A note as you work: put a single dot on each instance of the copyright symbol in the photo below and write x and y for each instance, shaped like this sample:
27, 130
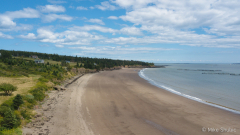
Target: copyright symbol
204, 129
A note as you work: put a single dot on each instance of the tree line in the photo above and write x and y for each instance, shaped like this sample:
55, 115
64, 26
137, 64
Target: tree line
89, 63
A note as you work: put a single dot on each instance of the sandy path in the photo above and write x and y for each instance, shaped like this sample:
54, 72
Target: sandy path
121, 103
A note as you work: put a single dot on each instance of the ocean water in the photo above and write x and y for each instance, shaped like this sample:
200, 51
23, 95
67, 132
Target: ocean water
213, 84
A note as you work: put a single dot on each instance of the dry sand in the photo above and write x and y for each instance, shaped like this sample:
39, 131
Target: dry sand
119, 102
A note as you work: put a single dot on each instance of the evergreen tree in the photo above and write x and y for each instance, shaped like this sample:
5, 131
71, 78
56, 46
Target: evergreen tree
17, 101
9, 120
6, 55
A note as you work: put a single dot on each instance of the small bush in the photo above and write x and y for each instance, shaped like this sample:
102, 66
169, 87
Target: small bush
8, 103
42, 86
15, 131
30, 99
39, 91
9, 119
25, 114
24, 74
26, 97
38, 94
41, 79
18, 119
17, 101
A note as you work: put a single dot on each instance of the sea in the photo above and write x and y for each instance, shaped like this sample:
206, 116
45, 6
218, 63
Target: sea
217, 85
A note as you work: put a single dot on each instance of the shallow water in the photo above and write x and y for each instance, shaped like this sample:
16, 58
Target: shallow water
215, 83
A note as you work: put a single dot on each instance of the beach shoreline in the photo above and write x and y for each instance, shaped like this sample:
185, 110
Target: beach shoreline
121, 102
213, 104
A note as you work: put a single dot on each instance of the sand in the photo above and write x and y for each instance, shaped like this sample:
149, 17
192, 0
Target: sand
119, 102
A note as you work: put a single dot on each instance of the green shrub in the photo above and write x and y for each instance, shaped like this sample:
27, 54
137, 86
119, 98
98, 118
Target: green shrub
8, 103
18, 119
25, 114
30, 105
30, 99
38, 94
17, 101
41, 79
7, 88
3, 109
9, 119
42, 86
14, 131
26, 97
39, 91
24, 74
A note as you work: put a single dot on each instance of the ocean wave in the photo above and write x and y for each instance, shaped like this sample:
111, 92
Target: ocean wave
142, 75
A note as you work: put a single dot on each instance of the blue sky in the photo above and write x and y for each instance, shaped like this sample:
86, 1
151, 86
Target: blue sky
161, 31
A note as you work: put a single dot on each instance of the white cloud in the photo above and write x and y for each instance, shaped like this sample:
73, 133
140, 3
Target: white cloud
25, 13
163, 22
126, 30
5, 36
96, 21
51, 8
81, 8
113, 50
131, 31
20, 27
172, 21
28, 36
53, 17
7, 20
113, 17
94, 27
68, 37
106, 6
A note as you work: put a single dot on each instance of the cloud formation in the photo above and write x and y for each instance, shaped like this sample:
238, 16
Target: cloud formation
106, 6
53, 17
5, 36
6, 19
81, 8
113, 17
68, 37
96, 21
51, 8
116, 50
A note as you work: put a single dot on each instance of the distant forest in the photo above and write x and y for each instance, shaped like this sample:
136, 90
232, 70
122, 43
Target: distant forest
89, 63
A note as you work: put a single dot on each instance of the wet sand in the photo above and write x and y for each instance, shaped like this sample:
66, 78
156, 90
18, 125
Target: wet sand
119, 102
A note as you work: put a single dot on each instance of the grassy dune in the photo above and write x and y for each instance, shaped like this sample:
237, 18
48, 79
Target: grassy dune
23, 84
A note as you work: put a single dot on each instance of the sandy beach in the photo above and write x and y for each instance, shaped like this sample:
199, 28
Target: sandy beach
120, 102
